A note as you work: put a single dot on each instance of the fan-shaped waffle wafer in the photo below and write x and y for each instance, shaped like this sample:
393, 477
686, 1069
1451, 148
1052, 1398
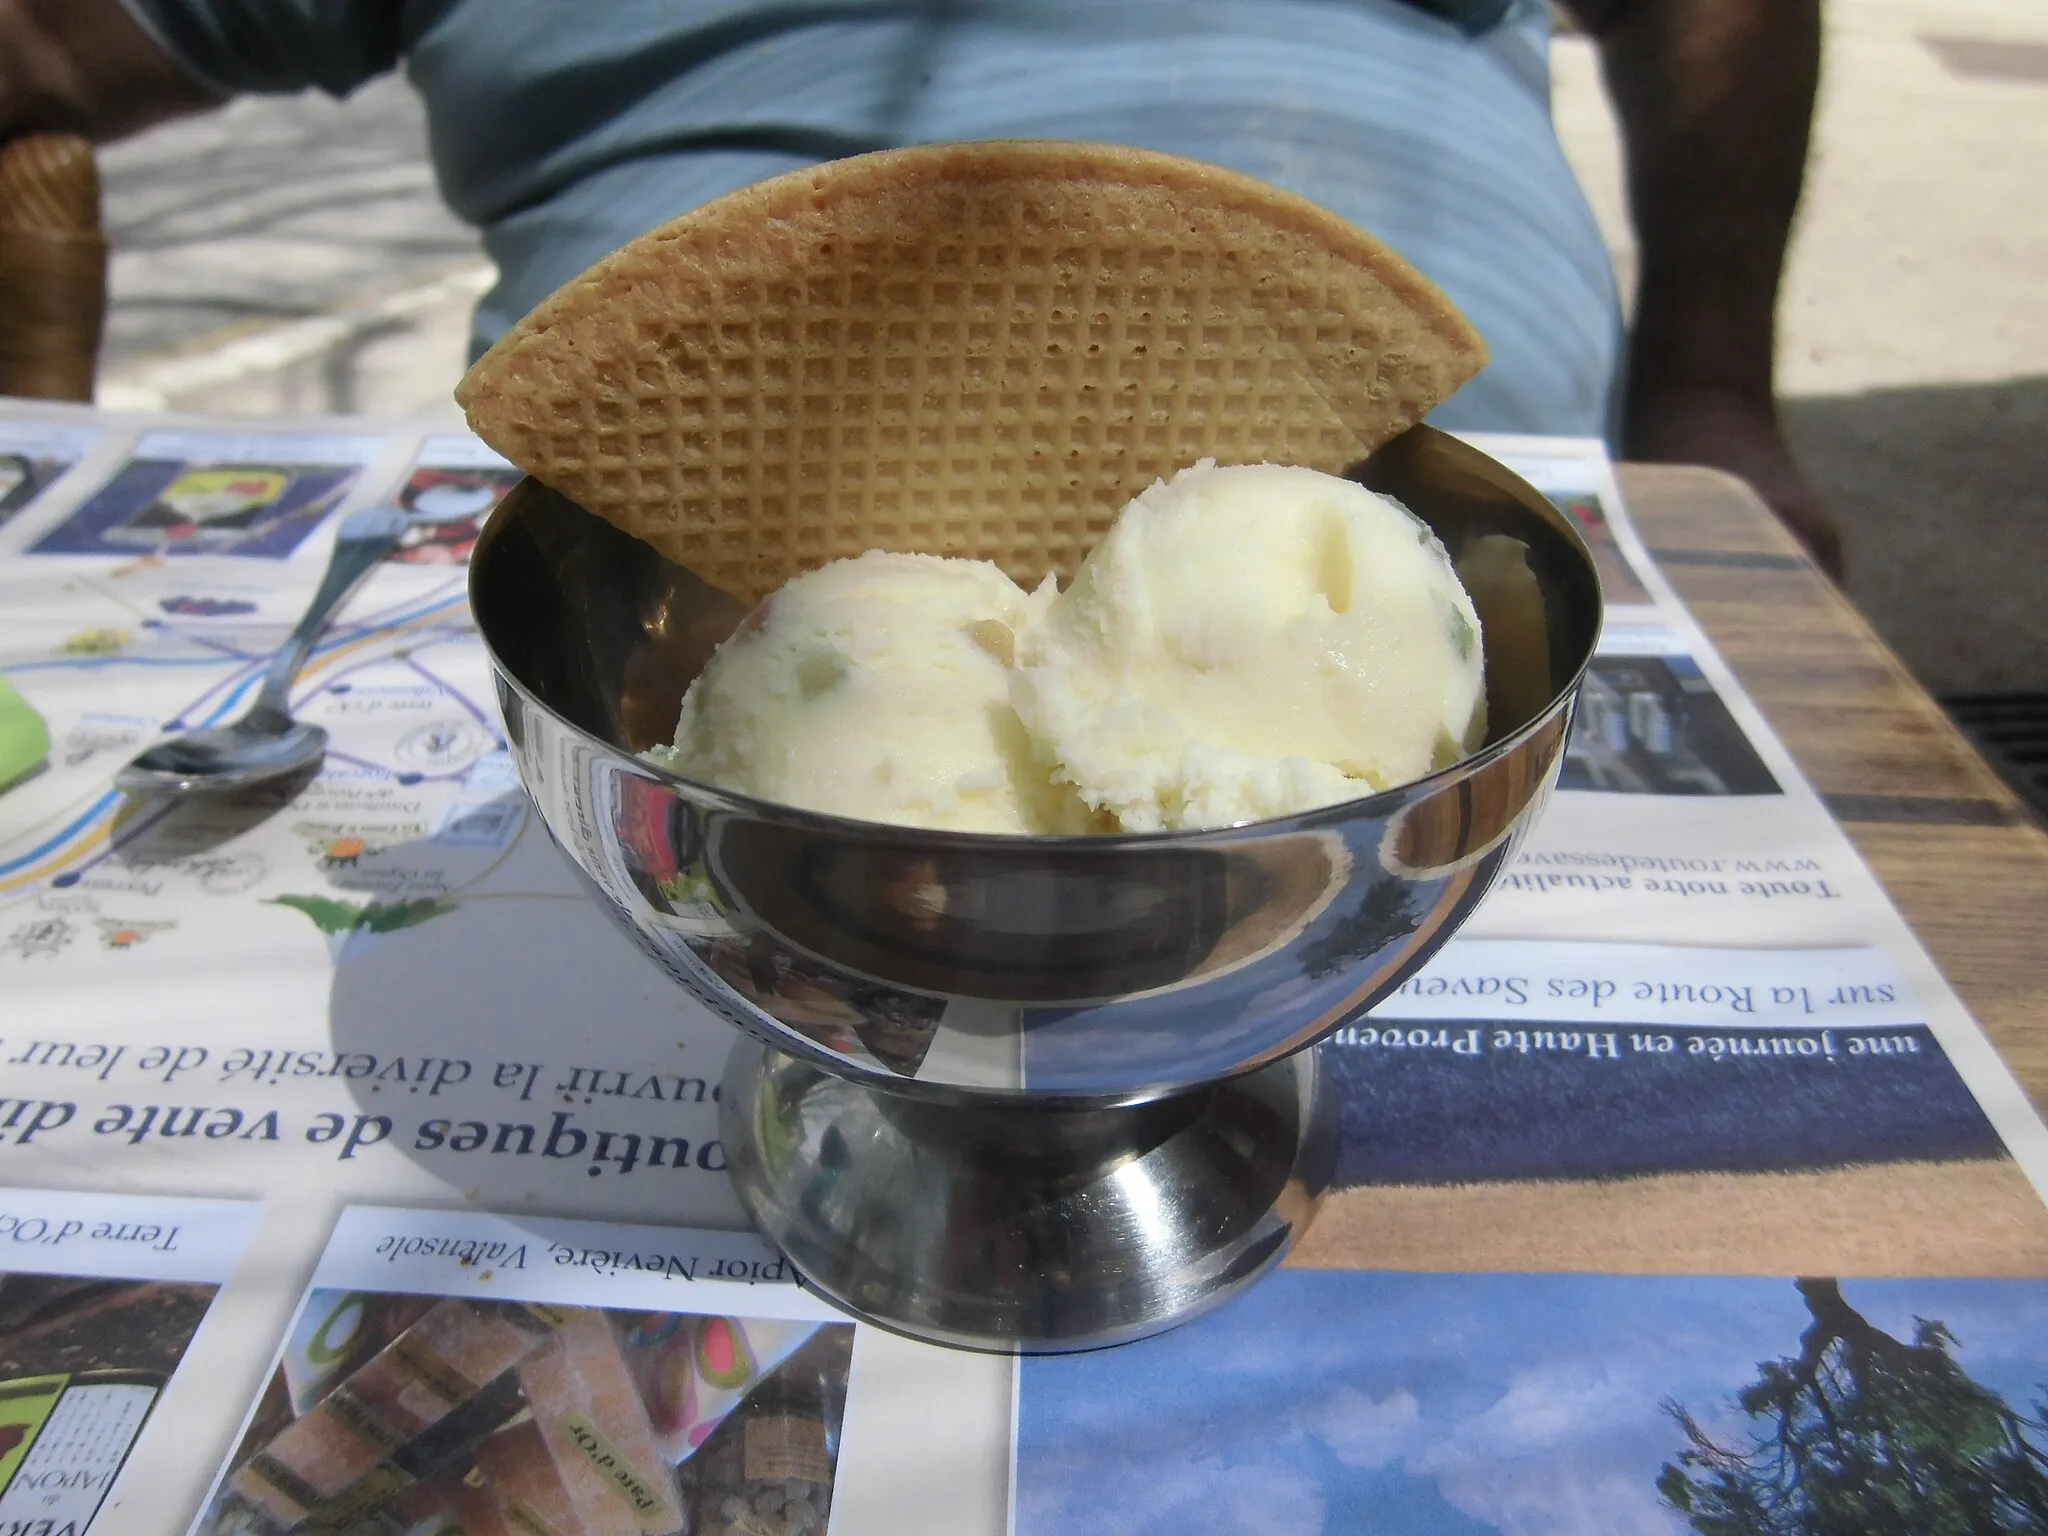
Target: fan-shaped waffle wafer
978, 349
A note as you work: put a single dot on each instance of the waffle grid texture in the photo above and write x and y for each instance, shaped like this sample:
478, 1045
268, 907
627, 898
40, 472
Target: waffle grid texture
980, 349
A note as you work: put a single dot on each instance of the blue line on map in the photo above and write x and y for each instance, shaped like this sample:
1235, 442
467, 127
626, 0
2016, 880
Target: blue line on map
122, 838
242, 684
230, 698
336, 638
238, 676
398, 615
370, 623
59, 839
223, 648
348, 671
114, 661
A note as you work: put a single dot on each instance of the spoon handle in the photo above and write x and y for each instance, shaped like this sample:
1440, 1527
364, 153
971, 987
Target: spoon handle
363, 539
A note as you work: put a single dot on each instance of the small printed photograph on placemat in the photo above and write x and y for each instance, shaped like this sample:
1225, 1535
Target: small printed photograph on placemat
1620, 586
83, 1360
451, 489
447, 1385
183, 493
34, 455
508, 1417
1653, 725
1515, 1404
100, 1300
1522, 1105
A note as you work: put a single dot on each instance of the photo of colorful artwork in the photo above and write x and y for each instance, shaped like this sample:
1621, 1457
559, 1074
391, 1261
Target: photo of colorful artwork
185, 493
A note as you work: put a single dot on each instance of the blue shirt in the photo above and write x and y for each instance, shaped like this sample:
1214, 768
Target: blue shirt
564, 130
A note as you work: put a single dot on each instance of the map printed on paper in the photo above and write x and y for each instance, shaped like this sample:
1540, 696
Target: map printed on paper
417, 761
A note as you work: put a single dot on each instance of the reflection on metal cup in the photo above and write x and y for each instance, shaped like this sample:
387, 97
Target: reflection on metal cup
1130, 1009
1128, 965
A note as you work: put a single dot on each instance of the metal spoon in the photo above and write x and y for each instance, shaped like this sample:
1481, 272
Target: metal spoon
267, 743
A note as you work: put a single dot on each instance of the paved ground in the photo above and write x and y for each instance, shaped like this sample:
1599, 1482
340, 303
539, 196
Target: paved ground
287, 254
290, 255
1913, 351
272, 208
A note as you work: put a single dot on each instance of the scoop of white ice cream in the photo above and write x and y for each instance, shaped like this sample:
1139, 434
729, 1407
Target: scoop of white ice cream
1249, 642
876, 688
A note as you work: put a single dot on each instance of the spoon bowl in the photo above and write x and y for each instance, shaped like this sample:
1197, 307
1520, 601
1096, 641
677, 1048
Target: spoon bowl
266, 742
225, 757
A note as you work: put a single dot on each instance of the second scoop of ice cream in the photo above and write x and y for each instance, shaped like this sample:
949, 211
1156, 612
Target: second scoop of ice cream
1249, 642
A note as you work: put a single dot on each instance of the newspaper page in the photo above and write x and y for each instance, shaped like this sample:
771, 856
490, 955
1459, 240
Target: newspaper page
1684, 1052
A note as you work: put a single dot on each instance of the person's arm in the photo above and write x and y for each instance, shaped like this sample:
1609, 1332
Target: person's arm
85, 67
1715, 99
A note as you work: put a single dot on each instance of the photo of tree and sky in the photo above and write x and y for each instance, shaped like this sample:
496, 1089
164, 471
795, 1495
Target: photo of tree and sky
1533, 1405
1864, 1432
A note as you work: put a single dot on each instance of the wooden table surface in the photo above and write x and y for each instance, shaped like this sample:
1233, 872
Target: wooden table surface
1960, 854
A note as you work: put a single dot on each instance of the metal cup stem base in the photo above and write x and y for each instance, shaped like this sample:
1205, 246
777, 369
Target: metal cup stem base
1026, 1228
